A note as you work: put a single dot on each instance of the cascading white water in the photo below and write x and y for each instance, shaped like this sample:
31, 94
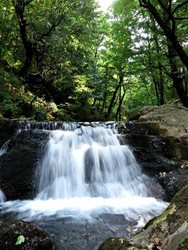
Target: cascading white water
2, 196
84, 178
86, 172
4, 147
89, 162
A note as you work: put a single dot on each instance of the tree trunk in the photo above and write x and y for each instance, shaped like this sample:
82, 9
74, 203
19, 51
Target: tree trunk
168, 31
177, 76
114, 95
157, 78
118, 113
29, 50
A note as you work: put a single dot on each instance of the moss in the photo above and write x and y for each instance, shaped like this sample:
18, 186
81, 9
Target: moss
175, 214
162, 217
183, 245
120, 244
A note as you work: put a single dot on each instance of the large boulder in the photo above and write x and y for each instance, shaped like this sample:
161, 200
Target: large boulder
169, 231
18, 165
19, 235
172, 119
7, 129
159, 140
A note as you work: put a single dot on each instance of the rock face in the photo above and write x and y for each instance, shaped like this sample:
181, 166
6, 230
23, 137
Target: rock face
159, 140
32, 237
169, 231
7, 130
172, 118
18, 165
119, 243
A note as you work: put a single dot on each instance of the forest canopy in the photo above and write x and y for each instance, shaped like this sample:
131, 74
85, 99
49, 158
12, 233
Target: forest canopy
67, 60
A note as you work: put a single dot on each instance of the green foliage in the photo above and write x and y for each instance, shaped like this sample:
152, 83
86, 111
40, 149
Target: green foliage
20, 240
84, 65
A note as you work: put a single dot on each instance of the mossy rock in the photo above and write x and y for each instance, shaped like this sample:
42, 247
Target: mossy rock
167, 231
120, 244
183, 245
170, 229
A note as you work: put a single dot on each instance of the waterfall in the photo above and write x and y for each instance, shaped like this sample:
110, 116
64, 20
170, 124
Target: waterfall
4, 147
89, 187
88, 162
85, 172
2, 196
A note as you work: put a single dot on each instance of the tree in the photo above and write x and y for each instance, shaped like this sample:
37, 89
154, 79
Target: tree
168, 15
48, 46
165, 13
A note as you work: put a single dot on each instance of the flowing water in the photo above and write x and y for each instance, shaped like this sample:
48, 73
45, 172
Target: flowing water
85, 174
2, 197
4, 147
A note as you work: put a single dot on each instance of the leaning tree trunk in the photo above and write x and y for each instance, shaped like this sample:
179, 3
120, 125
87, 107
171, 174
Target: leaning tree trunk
177, 75
168, 31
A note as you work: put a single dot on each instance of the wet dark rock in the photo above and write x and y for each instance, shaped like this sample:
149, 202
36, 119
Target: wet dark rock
7, 129
174, 181
156, 155
156, 149
33, 237
18, 165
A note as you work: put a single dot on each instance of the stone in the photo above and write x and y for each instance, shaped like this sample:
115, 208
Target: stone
18, 165
172, 118
159, 141
7, 130
119, 243
171, 227
33, 238
167, 231
173, 181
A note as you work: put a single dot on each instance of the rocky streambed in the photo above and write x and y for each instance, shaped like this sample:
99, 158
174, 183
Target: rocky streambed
159, 139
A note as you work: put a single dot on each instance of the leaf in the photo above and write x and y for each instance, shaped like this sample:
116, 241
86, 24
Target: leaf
20, 240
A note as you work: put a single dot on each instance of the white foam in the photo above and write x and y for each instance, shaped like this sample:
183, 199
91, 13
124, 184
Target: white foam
2, 196
85, 173
86, 207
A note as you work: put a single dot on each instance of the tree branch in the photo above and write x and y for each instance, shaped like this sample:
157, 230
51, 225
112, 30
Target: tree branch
181, 18
27, 2
179, 6
164, 7
169, 32
52, 27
